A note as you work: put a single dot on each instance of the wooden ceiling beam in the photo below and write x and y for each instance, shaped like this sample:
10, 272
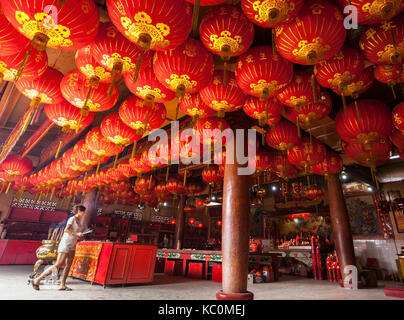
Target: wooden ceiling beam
8, 102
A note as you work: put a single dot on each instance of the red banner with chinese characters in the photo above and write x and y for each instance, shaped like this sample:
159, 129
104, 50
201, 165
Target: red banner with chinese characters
85, 261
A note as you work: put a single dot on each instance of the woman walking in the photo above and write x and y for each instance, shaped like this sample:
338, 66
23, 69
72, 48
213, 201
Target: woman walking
66, 249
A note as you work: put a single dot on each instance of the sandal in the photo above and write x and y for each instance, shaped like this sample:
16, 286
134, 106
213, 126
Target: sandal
65, 289
35, 286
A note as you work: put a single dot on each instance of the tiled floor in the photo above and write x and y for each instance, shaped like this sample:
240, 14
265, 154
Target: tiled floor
13, 286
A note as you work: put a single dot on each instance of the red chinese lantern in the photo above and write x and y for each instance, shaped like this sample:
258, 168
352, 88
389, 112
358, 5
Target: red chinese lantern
211, 130
71, 161
126, 169
267, 112
115, 174
211, 175
261, 73
332, 164
305, 115
90, 68
398, 116
50, 23
376, 11
160, 190
192, 188
67, 116
141, 117
116, 53
313, 192
152, 24
175, 186
301, 91
186, 69
315, 35
223, 97
340, 70
225, 31
192, 105
85, 155
191, 220
88, 96
172, 221
116, 131
199, 202
376, 155
100, 145
190, 209
62, 171
365, 122
15, 165
272, 13
397, 138
306, 153
45, 89
138, 165
357, 86
144, 185
35, 65
391, 75
262, 160
200, 225
282, 136
219, 223
147, 87
12, 42
384, 43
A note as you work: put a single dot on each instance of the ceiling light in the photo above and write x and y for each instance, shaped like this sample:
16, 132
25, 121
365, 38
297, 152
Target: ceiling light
274, 188
394, 157
370, 189
344, 176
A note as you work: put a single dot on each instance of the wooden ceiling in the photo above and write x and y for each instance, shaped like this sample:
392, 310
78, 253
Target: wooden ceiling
13, 104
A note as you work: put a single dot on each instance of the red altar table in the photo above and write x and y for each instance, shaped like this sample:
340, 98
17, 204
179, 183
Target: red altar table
113, 263
182, 258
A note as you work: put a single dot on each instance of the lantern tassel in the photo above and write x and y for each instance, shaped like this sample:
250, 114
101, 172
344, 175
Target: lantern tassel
58, 150
308, 181
357, 110
150, 181
52, 193
167, 172
8, 187
85, 178
225, 74
87, 98
23, 64
394, 93
314, 89
298, 128
344, 104
116, 160
137, 69
185, 177
274, 50
195, 18
116, 73
2, 187
133, 150
98, 167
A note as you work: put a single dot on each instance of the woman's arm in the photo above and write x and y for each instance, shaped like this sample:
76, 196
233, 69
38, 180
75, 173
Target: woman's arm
69, 231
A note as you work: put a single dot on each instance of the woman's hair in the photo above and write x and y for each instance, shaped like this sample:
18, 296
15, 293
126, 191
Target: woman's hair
78, 208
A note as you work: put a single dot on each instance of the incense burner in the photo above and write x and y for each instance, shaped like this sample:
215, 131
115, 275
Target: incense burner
46, 252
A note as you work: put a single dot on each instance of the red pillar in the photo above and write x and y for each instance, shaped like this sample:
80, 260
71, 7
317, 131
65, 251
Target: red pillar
180, 224
341, 228
91, 208
235, 233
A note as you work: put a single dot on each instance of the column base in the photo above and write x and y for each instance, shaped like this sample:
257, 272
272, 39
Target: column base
235, 296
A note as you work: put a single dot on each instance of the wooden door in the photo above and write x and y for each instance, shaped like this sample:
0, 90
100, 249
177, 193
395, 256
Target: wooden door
119, 262
141, 267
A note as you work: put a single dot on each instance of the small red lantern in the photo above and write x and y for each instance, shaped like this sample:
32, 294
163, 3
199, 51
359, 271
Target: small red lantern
200, 225
211, 130
12, 42
147, 86
211, 175
85, 155
67, 116
374, 11
223, 97
299, 92
15, 165
271, 14
398, 116
138, 164
144, 184
113, 128
172, 221
262, 160
359, 85
313, 192
87, 95
175, 186
366, 121
306, 153
267, 112
315, 35
141, 117
199, 202
261, 73
390, 74
383, 43
331, 164
282, 136
219, 223
192, 105
152, 24
378, 154
225, 31
397, 138
186, 69
126, 169
191, 220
